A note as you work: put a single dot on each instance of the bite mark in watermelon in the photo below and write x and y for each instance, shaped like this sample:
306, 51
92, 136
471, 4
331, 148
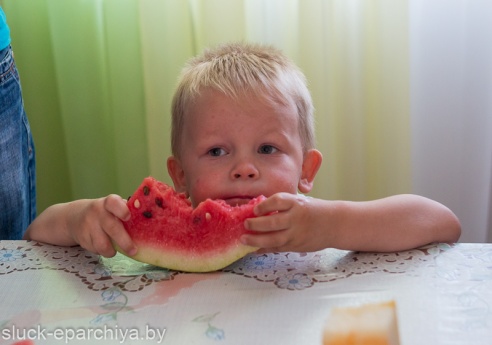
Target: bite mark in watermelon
169, 233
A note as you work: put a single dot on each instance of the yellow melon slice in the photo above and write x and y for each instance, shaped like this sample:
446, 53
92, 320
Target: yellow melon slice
369, 324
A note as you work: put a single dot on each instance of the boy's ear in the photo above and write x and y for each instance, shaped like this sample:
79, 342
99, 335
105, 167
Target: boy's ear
176, 172
310, 166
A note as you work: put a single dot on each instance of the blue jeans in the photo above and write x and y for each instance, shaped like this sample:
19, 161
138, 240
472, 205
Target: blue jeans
17, 158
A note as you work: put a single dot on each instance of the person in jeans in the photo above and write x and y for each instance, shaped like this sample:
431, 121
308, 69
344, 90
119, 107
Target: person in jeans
17, 157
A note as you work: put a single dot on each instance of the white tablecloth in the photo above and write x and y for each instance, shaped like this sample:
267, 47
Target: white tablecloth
443, 295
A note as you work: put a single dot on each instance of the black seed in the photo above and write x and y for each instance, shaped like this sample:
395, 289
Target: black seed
147, 214
128, 199
197, 220
159, 202
146, 190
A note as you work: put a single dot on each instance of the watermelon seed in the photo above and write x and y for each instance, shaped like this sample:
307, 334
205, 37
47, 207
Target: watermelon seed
147, 214
208, 216
159, 202
146, 190
136, 203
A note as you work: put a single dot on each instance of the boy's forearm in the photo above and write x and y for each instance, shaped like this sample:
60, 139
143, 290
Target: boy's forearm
395, 223
51, 226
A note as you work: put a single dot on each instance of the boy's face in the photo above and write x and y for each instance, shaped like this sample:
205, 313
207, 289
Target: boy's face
237, 150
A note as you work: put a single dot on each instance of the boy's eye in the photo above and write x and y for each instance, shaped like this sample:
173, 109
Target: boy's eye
267, 149
216, 152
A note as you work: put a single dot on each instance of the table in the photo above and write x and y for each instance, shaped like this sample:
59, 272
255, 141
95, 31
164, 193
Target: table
58, 295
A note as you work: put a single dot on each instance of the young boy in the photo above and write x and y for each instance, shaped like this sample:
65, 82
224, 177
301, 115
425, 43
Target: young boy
242, 127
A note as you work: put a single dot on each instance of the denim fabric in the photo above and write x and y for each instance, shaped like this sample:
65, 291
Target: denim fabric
17, 158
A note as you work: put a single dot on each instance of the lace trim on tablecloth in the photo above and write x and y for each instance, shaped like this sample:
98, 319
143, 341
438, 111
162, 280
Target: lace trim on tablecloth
92, 270
297, 271
291, 271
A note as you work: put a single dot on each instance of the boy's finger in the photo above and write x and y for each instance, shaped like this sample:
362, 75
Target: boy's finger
120, 237
112, 226
274, 222
127, 246
274, 240
268, 205
101, 245
117, 206
276, 203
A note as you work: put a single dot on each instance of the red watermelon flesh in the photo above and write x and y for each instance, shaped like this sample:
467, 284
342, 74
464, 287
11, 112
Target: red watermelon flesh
169, 233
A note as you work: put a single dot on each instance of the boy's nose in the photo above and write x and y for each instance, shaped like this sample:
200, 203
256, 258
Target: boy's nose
238, 175
244, 170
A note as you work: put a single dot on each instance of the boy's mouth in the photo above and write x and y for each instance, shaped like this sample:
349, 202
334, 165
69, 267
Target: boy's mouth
238, 200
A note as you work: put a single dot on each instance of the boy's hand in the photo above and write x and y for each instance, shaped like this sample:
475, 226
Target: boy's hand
285, 222
94, 224
288, 222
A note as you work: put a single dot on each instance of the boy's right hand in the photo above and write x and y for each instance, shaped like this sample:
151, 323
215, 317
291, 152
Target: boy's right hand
94, 224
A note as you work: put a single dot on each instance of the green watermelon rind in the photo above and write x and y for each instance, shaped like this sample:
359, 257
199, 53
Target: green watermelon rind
173, 260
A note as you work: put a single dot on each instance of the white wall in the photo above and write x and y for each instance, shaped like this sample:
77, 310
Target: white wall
451, 107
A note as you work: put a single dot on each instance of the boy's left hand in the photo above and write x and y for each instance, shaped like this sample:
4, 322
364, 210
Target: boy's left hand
285, 222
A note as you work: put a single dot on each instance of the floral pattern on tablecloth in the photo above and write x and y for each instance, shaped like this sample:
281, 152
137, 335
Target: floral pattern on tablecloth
290, 271
94, 271
297, 271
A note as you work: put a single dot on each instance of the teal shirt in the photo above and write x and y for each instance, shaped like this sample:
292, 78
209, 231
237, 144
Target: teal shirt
4, 31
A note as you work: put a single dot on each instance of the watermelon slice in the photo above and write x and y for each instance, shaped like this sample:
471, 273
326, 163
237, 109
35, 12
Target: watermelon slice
169, 233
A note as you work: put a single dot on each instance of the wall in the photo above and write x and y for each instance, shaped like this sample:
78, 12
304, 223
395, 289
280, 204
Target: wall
451, 108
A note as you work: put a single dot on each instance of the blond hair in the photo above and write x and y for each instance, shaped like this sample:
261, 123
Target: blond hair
237, 69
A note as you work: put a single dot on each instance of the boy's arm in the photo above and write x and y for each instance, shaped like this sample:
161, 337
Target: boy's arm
395, 223
90, 223
391, 224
